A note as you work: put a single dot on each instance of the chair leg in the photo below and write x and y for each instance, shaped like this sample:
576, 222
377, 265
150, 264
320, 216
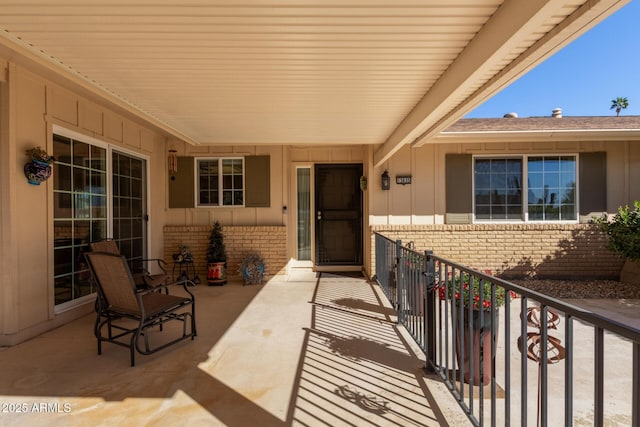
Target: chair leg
193, 320
98, 332
132, 350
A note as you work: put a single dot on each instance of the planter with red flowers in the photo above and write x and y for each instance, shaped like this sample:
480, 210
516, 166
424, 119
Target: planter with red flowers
472, 296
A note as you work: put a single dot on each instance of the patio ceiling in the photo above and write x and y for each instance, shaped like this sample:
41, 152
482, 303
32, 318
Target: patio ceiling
294, 71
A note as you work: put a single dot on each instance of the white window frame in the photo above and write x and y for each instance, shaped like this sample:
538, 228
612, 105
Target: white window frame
220, 182
66, 133
110, 148
525, 188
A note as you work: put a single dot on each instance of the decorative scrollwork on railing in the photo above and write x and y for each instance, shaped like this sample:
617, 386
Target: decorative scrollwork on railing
536, 348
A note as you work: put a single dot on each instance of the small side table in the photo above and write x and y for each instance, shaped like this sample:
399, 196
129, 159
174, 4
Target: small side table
185, 267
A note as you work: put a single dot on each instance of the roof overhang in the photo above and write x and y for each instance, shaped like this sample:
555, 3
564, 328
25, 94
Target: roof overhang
427, 122
291, 72
538, 136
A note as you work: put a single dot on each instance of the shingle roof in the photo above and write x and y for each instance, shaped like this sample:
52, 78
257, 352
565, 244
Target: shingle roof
577, 123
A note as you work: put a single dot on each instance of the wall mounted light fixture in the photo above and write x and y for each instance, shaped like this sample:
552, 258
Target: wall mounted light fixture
386, 180
172, 161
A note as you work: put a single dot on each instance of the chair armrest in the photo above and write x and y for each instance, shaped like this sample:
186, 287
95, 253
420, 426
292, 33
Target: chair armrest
137, 266
162, 264
184, 283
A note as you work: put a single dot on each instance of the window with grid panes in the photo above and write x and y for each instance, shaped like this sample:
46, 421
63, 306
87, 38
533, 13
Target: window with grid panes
79, 213
547, 194
220, 181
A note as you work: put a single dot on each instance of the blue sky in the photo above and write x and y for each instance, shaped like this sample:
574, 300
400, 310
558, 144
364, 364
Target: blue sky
582, 78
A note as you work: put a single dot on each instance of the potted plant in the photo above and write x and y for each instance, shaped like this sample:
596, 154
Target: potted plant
38, 155
216, 257
39, 168
624, 239
465, 289
461, 287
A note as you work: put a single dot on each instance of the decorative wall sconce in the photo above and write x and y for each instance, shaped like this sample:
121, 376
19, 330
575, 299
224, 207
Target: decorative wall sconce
39, 168
172, 161
386, 180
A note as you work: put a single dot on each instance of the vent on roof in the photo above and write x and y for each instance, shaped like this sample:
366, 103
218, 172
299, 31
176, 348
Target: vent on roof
511, 115
557, 113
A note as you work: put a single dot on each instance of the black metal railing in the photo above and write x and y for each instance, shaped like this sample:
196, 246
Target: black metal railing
456, 314
386, 258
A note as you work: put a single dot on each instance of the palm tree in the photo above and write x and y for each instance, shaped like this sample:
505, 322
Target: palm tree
619, 104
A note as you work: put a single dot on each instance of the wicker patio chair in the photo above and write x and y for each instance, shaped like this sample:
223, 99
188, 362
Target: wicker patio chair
129, 313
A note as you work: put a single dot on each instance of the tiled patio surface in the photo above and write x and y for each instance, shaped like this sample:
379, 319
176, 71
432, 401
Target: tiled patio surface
307, 351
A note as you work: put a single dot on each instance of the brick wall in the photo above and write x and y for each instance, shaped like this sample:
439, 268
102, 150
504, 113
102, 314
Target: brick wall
269, 242
516, 250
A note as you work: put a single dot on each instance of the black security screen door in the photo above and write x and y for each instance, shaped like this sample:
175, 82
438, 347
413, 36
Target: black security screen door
338, 214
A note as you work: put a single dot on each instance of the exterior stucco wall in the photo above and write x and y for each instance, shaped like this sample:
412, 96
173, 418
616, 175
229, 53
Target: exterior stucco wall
423, 201
31, 106
569, 251
284, 160
551, 250
271, 215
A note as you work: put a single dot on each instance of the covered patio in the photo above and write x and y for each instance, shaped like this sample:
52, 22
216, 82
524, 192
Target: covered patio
121, 93
310, 349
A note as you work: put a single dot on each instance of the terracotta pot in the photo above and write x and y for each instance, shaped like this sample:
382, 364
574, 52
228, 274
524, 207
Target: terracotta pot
480, 334
630, 272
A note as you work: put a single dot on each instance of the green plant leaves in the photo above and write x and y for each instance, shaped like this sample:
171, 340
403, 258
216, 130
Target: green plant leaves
624, 231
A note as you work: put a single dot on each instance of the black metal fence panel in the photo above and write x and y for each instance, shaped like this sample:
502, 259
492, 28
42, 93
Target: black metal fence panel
493, 342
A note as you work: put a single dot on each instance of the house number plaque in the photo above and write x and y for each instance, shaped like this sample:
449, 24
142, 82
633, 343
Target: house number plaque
403, 179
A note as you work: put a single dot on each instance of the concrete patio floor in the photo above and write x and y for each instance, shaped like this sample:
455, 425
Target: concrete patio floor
307, 350
310, 350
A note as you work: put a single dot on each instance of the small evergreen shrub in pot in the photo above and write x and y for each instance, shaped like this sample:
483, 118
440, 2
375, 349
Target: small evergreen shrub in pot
216, 257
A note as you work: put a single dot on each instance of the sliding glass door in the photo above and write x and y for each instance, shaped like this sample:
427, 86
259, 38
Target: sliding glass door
98, 193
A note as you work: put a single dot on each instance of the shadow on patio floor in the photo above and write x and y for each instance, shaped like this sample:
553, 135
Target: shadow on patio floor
314, 352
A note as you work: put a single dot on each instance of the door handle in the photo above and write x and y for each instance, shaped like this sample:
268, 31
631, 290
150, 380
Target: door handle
319, 215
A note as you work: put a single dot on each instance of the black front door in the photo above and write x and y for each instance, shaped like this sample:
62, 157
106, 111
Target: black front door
338, 214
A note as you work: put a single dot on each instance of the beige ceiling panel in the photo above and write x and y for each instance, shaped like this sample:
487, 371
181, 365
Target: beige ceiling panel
291, 72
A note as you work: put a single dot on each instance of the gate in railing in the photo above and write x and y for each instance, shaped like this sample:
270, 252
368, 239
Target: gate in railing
493, 351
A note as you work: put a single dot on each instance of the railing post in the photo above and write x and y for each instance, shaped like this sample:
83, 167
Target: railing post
635, 394
598, 377
399, 284
430, 311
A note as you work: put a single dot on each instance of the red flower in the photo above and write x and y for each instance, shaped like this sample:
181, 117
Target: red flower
466, 287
